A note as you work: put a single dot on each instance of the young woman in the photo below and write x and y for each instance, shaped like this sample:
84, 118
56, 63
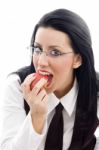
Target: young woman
62, 52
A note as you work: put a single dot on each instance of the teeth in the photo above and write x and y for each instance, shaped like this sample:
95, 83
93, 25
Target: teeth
44, 73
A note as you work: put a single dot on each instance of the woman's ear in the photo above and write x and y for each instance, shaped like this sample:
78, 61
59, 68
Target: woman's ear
77, 61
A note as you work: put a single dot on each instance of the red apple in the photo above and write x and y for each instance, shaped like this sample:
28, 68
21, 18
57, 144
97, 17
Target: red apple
38, 77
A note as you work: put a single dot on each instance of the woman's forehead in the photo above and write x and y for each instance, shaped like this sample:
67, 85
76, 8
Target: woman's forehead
51, 36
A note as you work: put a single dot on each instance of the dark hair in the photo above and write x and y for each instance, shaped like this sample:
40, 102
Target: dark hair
73, 25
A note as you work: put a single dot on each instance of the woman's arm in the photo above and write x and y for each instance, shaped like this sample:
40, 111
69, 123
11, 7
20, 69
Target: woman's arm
17, 132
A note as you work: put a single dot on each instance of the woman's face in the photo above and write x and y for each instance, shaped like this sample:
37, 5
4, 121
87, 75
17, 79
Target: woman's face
61, 68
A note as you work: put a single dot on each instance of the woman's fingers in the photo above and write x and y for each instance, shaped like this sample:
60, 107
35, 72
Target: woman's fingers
41, 95
37, 88
39, 105
37, 97
26, 84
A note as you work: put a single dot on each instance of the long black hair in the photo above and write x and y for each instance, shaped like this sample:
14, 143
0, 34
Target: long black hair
72, 24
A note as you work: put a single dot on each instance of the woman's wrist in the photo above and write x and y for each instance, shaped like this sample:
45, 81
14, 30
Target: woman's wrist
38, 123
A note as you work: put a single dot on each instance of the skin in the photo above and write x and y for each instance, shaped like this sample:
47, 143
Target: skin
62, 69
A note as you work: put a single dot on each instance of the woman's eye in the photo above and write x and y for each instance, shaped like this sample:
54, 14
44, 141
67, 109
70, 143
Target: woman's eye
37, 50
55, 53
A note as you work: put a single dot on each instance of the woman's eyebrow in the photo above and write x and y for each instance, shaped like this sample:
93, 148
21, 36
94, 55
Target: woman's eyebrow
54, 46
50, 46
35, 43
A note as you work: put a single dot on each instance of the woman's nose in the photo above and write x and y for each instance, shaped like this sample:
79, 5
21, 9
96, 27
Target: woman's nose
43, 60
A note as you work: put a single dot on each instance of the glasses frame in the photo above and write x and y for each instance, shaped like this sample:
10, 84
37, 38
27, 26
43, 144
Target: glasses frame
46, 53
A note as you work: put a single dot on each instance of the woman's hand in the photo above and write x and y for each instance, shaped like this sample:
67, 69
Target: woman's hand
37, 100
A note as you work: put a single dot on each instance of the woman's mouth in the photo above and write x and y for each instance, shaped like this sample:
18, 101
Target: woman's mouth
47, 75
49, 80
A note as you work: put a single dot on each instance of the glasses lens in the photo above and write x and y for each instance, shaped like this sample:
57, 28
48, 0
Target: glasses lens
54, 53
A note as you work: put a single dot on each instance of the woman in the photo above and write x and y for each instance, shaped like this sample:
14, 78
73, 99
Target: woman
61, 50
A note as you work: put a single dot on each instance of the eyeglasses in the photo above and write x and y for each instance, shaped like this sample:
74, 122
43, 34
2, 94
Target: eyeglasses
55, 53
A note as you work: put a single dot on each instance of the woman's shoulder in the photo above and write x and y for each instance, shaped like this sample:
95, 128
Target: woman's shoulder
11, 84
18, 75
15, 78
23, 72
12, 92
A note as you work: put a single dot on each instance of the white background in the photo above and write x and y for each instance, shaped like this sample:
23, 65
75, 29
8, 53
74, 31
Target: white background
17, 20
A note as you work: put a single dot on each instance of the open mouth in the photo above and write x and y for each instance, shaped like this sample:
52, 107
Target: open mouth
48, 76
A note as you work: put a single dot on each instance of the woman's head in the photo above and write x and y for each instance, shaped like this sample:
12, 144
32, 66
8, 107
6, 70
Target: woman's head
74, 26
70, 23
52, 53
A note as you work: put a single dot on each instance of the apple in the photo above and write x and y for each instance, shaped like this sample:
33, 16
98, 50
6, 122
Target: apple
38, 77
